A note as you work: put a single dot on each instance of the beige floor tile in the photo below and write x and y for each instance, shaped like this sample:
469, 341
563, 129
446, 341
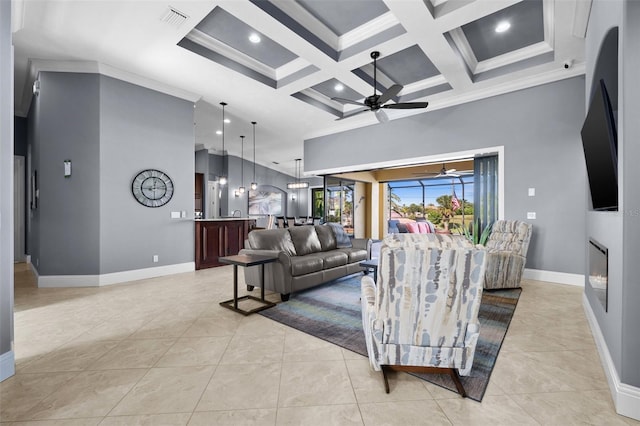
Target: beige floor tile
193, 351
320, 415
75, 356
66, 422
88, 394
225, 368
220, 325
250, 349
299, 346
403, 413
242, 386
133, 354
256, 417
571, 408
494, 410
166, 390
176, 419
315, 383
18, 394
368, 384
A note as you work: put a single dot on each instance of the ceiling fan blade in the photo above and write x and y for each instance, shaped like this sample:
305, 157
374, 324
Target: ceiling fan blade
347, 101
406, 105
352, 113
390, 93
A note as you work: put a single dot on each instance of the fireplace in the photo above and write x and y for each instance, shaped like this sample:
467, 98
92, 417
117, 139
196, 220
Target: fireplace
598, 271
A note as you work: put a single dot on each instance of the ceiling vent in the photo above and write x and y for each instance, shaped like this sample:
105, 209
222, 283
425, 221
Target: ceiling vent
173, 17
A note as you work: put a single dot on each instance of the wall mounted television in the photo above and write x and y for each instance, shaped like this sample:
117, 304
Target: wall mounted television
600, 144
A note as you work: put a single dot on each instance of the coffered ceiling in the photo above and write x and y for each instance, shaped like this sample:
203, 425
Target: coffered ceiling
281, 62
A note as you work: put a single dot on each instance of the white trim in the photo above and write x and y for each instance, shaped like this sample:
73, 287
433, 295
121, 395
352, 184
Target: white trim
7, 365
49, 281
626, 398
42, 65
367, 30
554, 277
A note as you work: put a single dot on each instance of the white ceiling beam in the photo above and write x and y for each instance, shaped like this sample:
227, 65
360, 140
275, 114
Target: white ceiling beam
419, 22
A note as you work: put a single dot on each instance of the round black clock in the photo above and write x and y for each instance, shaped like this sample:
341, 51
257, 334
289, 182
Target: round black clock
152, 188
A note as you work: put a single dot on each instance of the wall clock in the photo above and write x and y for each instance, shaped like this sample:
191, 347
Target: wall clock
152, 188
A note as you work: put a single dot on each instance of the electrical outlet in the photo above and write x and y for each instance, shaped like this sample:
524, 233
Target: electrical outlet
532, 192
155, 258
531, 215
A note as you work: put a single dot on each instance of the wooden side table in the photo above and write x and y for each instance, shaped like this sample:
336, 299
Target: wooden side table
245, 260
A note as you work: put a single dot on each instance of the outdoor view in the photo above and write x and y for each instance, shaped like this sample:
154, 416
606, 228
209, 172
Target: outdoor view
447, 202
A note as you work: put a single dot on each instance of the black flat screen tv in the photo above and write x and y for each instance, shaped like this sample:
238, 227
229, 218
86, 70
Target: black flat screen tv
600, 144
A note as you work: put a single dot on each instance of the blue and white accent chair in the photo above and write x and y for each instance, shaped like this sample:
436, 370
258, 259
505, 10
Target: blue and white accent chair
422, 315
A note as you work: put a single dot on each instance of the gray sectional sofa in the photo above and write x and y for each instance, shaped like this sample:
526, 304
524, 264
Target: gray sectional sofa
307, 256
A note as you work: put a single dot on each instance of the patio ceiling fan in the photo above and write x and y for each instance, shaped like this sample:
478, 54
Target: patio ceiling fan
444, 172
377, 103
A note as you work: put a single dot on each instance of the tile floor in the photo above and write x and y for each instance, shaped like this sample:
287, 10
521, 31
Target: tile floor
163, 352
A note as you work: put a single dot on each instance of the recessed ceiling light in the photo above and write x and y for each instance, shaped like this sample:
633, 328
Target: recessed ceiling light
338, 87
226, 120
218, 132
502, 26
254, 38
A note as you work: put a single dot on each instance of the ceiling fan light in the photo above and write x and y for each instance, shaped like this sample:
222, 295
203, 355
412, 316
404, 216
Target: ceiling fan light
502, 26
381, 116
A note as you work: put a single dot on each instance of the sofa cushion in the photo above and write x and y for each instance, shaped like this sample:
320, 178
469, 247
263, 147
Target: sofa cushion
355, 255
423, 227
413, 228
327, 237
272, 239
302, 265
333, 258
402, 228
342, 239
305, 239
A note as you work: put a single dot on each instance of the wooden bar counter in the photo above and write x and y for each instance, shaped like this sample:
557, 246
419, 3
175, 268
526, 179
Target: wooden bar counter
220, 237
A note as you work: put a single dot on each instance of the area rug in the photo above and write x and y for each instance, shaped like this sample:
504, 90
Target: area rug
332, 312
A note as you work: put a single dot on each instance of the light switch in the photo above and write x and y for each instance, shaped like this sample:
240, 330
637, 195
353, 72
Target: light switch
532, 192
183, 213
175, 215
531, 215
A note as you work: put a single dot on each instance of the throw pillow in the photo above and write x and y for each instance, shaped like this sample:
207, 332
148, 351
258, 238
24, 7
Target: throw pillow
342, 239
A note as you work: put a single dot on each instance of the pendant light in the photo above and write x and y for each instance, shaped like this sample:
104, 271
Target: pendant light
223, 177
242, 189
254, 184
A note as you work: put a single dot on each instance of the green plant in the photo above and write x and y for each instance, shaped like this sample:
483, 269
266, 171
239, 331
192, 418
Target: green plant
476, 237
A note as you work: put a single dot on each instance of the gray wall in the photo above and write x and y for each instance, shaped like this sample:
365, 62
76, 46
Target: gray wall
6, 189
90, 224
630, 371
65, 226
540, 130
620, 231
143, 129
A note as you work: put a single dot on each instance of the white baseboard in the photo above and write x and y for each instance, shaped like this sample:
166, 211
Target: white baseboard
112, 278
626, 398
7, 365
554, 277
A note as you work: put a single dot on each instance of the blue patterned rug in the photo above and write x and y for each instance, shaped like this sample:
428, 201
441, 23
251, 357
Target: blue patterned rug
332, 312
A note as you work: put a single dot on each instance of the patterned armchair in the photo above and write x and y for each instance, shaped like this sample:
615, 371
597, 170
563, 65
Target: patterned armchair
422, 315
507, 253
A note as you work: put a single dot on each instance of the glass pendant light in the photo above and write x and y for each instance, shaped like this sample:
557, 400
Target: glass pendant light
254, 184
223, 177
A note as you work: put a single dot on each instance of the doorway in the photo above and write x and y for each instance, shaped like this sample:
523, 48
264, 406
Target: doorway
19, 249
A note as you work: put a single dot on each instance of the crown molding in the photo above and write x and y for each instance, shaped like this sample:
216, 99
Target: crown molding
36, 66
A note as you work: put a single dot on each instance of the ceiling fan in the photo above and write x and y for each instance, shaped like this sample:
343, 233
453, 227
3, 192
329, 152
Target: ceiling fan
444, 172
377, 102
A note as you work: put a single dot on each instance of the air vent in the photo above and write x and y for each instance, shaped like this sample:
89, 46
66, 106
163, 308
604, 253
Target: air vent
173, 17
